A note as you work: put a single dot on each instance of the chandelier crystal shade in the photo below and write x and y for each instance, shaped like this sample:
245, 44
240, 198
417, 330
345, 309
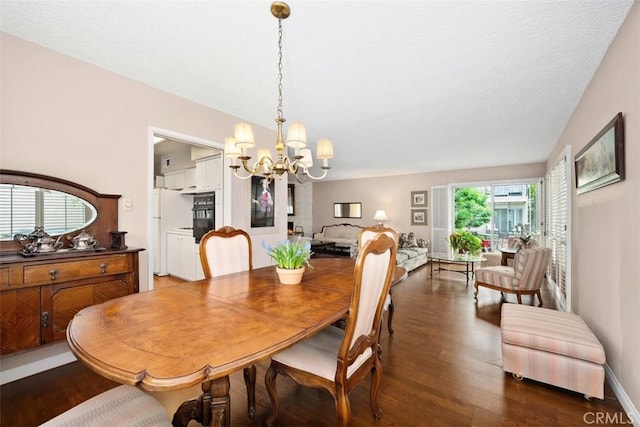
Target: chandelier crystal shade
236, 147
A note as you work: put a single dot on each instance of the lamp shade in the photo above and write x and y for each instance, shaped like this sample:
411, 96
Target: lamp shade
325, 149
243, 134
297, 135
380, 216
230, 148
306, 160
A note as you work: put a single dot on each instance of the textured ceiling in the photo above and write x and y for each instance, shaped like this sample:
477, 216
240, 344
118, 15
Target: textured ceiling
399, 86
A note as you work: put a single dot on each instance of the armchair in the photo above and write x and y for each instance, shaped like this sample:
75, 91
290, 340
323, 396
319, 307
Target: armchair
524, 278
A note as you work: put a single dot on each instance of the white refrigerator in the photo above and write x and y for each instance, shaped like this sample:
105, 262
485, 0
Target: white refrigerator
171, 211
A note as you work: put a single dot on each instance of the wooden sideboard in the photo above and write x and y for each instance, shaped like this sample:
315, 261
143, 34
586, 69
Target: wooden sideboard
39, 295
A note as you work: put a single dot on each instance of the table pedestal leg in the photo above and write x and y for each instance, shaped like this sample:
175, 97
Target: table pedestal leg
213, 407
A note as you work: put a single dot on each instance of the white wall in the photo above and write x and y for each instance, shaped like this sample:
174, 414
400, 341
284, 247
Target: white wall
606, 222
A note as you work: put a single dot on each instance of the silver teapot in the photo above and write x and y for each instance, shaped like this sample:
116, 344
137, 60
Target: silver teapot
38, 241
83, 241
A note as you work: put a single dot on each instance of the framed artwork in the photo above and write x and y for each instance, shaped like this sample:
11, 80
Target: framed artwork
262, 203
419, 199
291, 199
601, 161
419, 217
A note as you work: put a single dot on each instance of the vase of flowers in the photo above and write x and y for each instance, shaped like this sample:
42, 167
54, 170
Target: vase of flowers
291, 258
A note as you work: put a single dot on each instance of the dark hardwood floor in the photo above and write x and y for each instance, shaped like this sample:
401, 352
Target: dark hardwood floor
442, 367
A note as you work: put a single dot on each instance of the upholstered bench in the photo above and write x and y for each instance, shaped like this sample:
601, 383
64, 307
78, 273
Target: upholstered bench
553, 347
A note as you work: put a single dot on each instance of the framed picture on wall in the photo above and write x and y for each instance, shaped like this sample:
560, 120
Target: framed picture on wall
419, 199
262, 203
419, 217
601, 161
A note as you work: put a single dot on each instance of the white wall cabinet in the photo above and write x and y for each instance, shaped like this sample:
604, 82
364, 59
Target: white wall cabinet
174, 180
209, 174
183, 257
180, 179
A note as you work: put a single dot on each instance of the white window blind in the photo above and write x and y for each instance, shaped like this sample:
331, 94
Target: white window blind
557, 203
441, 215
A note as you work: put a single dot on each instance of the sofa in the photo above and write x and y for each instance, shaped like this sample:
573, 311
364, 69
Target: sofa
345, 236
412, 252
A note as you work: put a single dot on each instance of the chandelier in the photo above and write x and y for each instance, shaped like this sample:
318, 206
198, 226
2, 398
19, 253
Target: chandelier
298, 165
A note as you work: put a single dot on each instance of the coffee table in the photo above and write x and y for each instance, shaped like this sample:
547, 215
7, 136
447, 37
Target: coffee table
320, 246
446, 258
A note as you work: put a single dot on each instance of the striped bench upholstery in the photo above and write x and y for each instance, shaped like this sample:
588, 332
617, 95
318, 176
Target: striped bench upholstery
123, 406
553, 347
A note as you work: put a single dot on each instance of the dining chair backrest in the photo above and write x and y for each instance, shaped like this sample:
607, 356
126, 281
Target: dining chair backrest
225, 251
372, 279
530, 266
369, 233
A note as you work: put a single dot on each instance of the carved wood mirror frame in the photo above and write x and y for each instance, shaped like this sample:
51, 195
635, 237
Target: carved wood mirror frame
105, 204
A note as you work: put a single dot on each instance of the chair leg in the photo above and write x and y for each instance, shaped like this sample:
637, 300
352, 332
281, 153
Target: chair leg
391, 310
539, 298
270, 384
475, 293
376, 376
250, 382
343, 408
519, 298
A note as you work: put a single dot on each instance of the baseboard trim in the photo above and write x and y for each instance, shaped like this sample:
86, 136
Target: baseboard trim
623, 398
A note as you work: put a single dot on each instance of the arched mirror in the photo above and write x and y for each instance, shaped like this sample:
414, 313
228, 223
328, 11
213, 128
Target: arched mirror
61, 207
23, 208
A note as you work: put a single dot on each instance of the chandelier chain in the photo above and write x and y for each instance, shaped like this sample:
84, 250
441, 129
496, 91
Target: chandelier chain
266, 165
280, 114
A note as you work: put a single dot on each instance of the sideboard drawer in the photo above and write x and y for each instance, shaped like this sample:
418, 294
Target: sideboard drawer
73, 270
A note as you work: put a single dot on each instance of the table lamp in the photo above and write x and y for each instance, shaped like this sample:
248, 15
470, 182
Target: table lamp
380, 216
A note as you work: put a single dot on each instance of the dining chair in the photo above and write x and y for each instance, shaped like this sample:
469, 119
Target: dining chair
337, 359
525, 277
123, 405
224, 251
367, 234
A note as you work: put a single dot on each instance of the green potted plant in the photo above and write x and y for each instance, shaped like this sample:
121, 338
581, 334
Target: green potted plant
464, 241
291, 258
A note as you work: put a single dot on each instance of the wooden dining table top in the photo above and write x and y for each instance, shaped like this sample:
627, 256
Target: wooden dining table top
182, 335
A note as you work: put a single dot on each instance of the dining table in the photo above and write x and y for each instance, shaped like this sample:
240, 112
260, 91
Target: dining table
202, 331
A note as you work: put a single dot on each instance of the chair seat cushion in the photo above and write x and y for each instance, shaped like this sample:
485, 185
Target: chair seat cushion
551, 331
319, 354
121, 406
500, 275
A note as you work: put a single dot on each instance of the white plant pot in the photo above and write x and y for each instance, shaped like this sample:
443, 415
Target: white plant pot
290, 276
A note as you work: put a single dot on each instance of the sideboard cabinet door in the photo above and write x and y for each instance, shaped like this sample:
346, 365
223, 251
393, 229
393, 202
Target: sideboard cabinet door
20, 320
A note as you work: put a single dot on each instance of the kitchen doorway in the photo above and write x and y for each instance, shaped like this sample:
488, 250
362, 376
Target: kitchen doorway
178, 162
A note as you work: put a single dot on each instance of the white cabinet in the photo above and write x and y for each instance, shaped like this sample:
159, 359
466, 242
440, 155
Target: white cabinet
180, 179
209, 174
174, 180
189, 177
183, 257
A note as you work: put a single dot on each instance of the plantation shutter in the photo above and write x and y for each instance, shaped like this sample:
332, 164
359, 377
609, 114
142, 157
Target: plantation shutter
441, 205
558, 199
